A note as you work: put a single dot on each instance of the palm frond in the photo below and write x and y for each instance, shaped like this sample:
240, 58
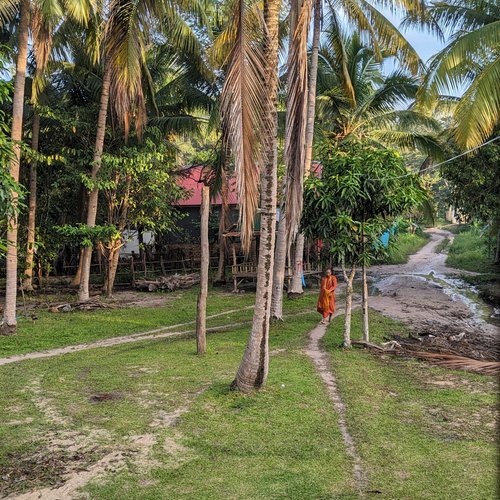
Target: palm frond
8, 11
478, 111
408, 141
393, 41
242, 112
126, 38
336, 46
459, 62
296, 117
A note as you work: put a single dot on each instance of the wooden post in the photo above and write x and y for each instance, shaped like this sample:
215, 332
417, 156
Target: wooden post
201, 321
132, 269
235, 280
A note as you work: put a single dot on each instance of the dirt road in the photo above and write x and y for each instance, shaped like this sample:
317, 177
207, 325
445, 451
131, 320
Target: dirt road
444, 312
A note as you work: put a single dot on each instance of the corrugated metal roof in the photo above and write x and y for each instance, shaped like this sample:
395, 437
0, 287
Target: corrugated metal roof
191, 181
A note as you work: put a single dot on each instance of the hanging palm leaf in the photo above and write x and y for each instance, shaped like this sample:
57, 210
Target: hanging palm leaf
242, 111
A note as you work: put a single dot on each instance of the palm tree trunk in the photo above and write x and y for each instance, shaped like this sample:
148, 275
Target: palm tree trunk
9, 317
83, 294
30, 250
223, 222
201, 316
279, 270
497, 252
348, 306
366, 327
298, 266
254, 366
283, 243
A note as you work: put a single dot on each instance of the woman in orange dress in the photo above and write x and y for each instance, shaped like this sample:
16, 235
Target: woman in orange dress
326, 301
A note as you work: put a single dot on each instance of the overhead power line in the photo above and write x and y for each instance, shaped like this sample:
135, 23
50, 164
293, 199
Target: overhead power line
443, 162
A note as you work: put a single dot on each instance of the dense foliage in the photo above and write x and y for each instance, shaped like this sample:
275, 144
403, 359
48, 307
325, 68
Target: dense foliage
360, 191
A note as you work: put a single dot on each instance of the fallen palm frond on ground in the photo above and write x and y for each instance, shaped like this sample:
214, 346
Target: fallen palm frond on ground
89, 305
168, 283
451, 361
454, 362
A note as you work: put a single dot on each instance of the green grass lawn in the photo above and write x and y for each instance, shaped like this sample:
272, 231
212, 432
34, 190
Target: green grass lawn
422, 432
52, 330
282, 442
172, 428
405, 245
469, 251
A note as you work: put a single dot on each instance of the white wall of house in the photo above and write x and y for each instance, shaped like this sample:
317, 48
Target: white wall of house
132, 241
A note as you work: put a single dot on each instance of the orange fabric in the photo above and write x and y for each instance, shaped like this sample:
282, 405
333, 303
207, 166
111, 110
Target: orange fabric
326, 300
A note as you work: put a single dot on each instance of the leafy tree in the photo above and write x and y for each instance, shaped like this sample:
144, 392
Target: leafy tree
360, 191
140, 187
474, 185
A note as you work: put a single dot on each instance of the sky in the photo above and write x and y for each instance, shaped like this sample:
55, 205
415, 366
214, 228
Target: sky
424, 43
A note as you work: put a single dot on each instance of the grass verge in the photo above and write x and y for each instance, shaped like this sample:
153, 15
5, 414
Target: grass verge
282, 442
422, 432
78, 327
469, 251
405, 245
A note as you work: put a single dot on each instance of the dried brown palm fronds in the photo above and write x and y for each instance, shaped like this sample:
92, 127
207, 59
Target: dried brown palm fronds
455, 362
296, 116
41, 31
243, 101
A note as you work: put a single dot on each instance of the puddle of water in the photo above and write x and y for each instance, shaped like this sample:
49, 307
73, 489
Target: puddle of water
459, 289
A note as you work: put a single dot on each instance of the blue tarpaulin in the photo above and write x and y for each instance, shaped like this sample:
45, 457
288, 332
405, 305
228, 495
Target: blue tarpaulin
384, 239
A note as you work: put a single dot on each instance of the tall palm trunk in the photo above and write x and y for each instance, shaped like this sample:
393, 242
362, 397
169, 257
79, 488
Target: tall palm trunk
224, 215
298, 265
201, 315
30, 250
283, 240
254, 366
86, 257
9, 317
279, 269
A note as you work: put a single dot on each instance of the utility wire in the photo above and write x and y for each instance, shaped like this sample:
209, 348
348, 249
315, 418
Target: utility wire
443, 162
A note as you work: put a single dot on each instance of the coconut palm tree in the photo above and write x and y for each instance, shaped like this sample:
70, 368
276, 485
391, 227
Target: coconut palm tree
248, 107
32, 15
127, 32
359, 102
470, 60
383, 36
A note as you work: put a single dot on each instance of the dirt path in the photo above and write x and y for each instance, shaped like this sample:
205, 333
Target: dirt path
322, 363
430, 298
159, 333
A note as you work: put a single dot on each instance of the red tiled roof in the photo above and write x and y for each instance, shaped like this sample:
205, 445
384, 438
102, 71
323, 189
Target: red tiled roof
191, 182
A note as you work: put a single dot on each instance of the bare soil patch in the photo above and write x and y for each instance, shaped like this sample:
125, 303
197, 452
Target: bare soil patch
441, 312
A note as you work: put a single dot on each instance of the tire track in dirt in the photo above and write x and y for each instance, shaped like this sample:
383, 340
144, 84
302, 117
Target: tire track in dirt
134, 337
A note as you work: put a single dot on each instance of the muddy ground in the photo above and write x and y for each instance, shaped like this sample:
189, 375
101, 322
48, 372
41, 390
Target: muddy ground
444, 313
